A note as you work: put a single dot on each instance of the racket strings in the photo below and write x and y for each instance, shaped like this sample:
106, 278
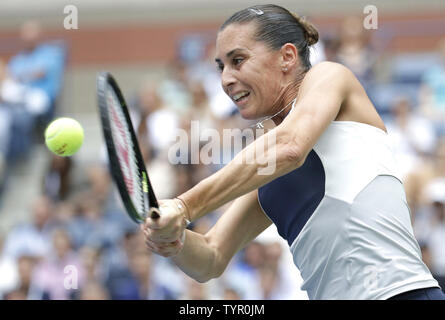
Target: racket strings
126, 154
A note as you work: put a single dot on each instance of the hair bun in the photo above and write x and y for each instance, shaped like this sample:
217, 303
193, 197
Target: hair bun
310, 33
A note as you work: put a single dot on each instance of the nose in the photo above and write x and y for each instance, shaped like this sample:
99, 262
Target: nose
227, 80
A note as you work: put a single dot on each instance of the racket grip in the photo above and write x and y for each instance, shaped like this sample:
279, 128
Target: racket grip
154, 213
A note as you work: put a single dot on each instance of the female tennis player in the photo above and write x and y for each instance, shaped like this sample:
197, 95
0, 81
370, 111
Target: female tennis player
335, 195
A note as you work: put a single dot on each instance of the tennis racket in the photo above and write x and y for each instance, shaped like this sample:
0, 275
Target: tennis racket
125, 159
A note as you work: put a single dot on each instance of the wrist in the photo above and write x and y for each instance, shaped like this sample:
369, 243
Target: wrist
182, 206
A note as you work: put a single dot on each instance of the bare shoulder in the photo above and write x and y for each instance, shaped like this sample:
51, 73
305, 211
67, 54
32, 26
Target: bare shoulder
335, 79
330, 67
326, 72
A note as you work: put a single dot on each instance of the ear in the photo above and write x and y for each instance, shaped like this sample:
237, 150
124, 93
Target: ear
289, 57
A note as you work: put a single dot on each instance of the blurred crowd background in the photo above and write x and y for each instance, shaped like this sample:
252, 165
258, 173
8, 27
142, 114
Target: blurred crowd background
57, 212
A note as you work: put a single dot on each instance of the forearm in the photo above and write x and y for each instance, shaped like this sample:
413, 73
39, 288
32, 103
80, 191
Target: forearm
197, 258
204, 257
260, 162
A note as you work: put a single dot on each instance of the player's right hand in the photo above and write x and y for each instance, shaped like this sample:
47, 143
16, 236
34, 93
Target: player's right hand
165, 235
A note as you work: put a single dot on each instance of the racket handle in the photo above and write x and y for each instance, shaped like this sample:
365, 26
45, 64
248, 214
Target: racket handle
154, 213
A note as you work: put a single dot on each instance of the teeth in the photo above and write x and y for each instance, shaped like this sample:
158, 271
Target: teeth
238, 96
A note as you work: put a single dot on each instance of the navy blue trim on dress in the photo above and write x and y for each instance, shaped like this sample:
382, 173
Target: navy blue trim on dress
290, 200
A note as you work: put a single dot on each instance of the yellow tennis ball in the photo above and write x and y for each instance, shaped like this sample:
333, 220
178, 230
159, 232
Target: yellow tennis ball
64, 136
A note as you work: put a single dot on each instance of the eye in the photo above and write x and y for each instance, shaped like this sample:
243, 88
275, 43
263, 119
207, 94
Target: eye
220, 67
237, 61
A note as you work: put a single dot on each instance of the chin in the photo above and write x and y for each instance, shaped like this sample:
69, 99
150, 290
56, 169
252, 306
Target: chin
248, 113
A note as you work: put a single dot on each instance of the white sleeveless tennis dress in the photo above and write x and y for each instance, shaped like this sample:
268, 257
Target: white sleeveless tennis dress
345, 216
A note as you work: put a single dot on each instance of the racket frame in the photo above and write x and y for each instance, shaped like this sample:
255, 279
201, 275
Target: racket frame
105, 79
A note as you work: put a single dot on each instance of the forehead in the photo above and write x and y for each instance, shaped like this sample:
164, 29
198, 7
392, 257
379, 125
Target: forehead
234, 36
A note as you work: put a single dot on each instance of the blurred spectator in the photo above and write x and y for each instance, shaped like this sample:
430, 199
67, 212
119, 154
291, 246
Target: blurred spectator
141, 266
230, 294
242, 274
265, 270
317, 52
200, 108
157, 122
355, 50
50, 276
147, 101
432, 93
273, 278
269, 279
157, 127
32, 238
8, 273
25, 270
426, 254
64, 213
94, 290
91, 261
331, 44
130, 271
174, 89
31, 87
196, 290
57, 179
99, 181
433, 222
436, 237
90, 226
162, 177
413, 137
39, 67
207, 73
427, 259
280, 279
118, 280
14, 119
16, 295
5, 124
418, 189
184, 178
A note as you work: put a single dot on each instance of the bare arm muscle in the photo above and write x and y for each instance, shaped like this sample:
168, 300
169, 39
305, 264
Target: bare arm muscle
206, 256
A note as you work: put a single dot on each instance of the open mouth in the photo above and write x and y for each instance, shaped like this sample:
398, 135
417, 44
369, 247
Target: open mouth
239, 97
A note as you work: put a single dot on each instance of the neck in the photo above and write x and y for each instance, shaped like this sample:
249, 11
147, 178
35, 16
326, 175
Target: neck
285, 105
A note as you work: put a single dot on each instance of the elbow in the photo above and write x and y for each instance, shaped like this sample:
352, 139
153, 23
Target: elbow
204, 279
292, 155
216, 266
212, 274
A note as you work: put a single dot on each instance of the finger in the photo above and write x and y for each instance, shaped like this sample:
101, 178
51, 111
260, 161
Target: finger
165, 250
170, 251
153, 245
150, 247
162, 238
160, 249
157, 238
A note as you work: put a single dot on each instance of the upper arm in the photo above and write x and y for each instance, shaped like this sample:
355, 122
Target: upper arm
241, 223
322, 92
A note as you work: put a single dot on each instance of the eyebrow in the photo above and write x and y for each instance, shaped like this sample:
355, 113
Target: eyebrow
229, 54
